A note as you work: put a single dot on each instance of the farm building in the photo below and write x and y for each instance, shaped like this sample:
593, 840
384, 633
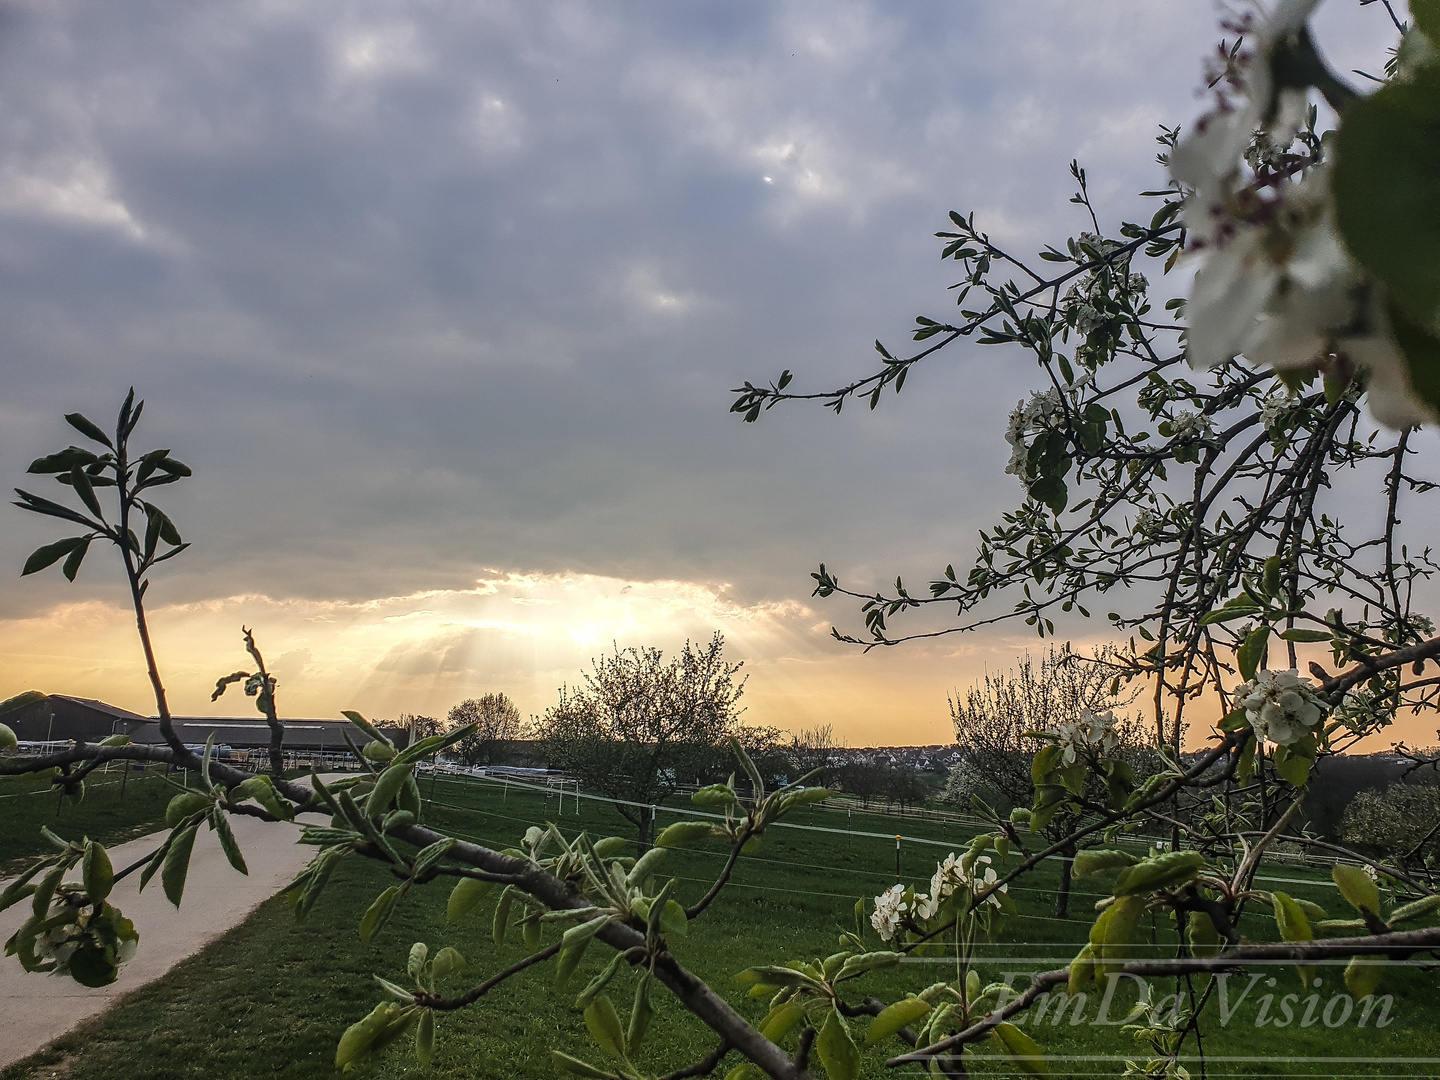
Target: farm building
59, 717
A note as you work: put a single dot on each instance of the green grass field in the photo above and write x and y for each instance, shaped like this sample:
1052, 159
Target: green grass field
271, 998
117, 807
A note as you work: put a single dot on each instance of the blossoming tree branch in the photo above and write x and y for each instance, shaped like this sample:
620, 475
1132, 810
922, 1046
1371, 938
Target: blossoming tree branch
1179, 468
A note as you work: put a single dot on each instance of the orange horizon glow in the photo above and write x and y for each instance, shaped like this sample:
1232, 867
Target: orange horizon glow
525, 635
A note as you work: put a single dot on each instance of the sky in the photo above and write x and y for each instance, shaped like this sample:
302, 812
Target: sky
443, 302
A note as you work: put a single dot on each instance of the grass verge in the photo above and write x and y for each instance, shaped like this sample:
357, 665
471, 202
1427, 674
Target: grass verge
271, 998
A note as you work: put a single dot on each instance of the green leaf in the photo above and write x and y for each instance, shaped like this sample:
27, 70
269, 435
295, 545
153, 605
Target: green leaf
575, 1067
447, 962
757, 784
501, 922
1290, 919
1238, 608
641, 1013
872, 961
584, 932
467, 893
1426, 14
781, 1020
1251, 654
1356, 887
1386, 183
683, 833
645, 865
20, 888
1362, 975
399, 993
184, 806
774, 975
1051, 491
1098, 861
1297, 634
1293, 926
568, 960
837, 1050
177, 862
1162, 872
386, 788
714, 795
1114, 931
425, 748
386, 1023
1292, 766
88, 429
379, 912
425, 1036
1021, 1049
75, 558
1245, 766
20, 700
1421, 349
221, 824
93, 965
36, 505
530, 930
1043, 764
602, 980
262, 790
364, 725
1270, 577
428, 856
80, 481
97, 873
1082, 968
604, 1024
1415, 909
42, 557
894, 1017
156, 861
1205, 940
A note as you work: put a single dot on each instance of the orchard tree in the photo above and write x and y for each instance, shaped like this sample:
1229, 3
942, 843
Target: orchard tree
418, 727
493, 721
1006, 720
1401, 823
814, 748
1178, 467
642, 726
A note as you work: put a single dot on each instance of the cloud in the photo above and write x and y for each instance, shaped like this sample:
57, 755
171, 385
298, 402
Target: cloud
423, 291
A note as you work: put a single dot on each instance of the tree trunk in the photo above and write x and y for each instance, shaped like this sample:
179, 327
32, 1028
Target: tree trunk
646, 826
1062, 896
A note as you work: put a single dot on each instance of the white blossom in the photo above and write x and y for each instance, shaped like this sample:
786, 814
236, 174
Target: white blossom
949, 875
1277, 285
987, 882
952, 874
1189, 426
1042, 412
926, 906
1147, 523
1275, 407
889, 912
1092, 732
1282, 707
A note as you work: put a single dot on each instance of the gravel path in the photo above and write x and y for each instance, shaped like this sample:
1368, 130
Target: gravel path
38, 1009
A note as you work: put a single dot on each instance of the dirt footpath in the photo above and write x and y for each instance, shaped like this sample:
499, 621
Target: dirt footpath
38, 1009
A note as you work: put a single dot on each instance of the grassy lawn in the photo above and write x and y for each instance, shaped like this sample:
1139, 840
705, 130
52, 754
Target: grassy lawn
116, 808
271, 998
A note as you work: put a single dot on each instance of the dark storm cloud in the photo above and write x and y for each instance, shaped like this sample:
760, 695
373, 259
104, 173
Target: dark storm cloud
425, 288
